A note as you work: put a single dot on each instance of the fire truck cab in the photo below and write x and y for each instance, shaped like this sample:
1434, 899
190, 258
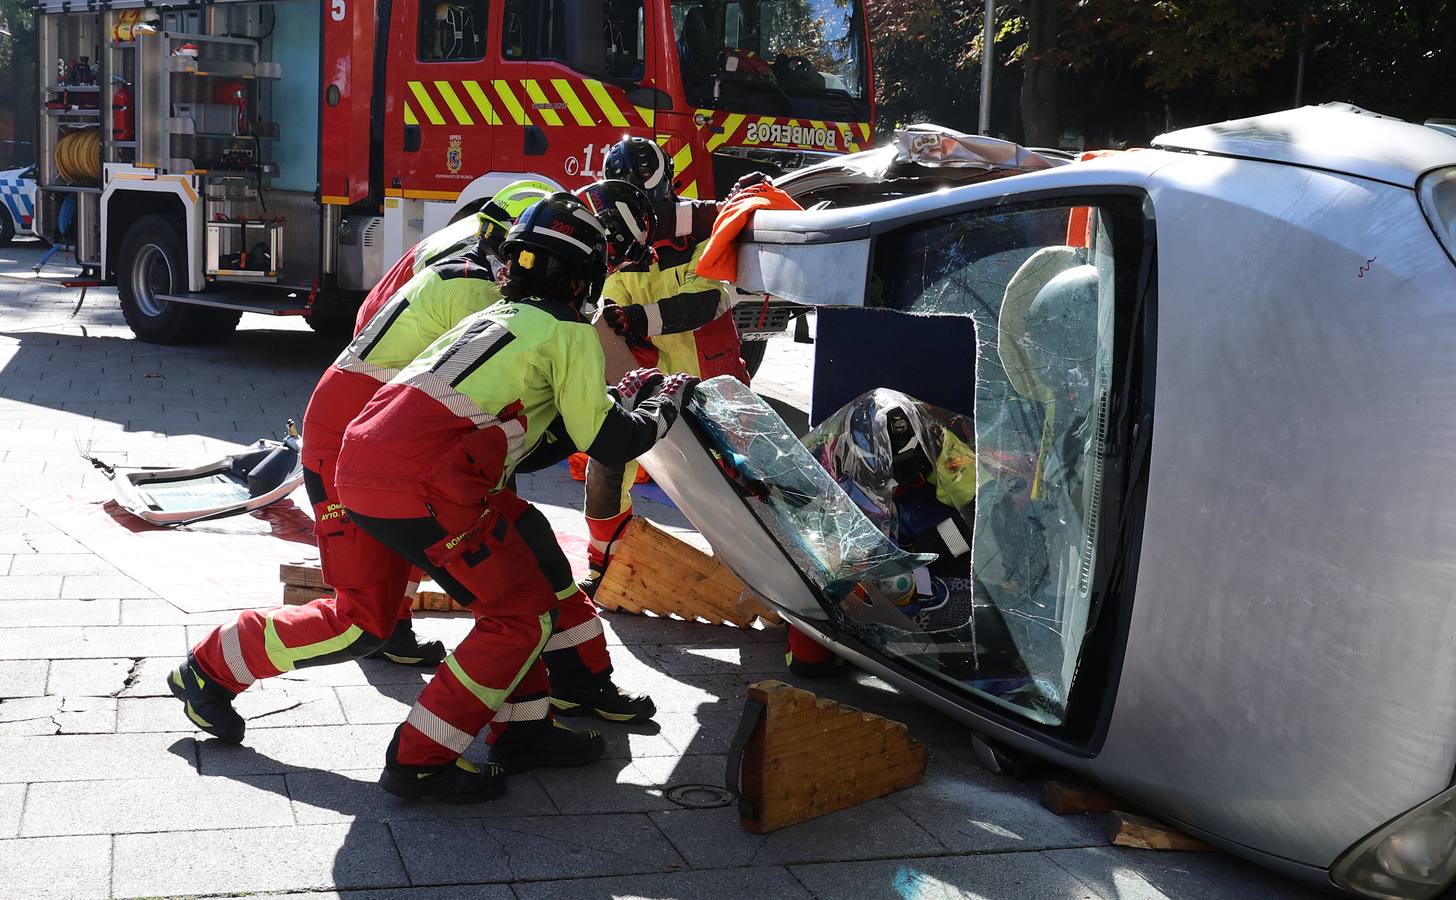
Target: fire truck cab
276, 157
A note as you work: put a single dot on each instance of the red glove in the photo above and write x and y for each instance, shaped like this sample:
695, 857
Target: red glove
637, 385
628, 321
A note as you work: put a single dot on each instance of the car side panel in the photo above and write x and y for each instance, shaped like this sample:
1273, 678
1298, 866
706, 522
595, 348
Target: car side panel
1287, 680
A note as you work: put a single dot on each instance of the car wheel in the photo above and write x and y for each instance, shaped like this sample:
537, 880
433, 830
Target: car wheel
752, 354
7, 227
152, 264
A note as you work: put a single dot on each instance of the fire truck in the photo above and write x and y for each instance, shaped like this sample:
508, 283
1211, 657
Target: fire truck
211, 159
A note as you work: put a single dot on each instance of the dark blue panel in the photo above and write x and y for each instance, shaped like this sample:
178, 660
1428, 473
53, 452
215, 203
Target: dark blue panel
931, 358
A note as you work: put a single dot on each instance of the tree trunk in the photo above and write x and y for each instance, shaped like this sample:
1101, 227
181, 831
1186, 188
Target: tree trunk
1039, 124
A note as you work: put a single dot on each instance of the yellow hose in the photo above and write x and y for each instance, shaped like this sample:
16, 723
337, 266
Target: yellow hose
78, 156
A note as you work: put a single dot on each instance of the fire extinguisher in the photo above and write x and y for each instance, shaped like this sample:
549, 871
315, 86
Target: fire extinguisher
123, 114
234, 93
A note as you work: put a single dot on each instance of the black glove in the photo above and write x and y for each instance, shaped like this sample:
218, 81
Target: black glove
628, 321
636, 386
746, 180
667, 403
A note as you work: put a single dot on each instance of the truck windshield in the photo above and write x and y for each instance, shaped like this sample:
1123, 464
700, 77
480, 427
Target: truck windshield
774, 57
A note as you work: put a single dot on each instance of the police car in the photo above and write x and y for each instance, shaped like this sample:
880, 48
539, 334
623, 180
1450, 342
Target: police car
17, 203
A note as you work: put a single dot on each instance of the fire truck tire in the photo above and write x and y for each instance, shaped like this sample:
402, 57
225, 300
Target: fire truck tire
7, 228
751, 352
153, 263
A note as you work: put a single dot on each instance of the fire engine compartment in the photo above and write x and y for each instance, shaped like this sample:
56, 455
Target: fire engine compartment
189, 97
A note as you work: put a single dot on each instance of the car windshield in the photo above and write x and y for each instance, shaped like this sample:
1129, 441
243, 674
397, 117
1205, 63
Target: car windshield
773, 57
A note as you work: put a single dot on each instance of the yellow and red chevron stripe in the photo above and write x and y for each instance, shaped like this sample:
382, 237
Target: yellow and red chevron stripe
544, 102
747, 130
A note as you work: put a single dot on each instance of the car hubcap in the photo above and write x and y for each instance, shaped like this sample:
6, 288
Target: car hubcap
151, 277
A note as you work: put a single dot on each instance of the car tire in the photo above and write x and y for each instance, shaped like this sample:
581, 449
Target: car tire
7, 227
152, 262
751, 352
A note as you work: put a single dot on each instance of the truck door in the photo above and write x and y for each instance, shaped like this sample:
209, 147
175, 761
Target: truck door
574, 68
440, 123
348, 83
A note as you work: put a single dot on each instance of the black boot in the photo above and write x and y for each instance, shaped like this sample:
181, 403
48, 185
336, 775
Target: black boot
526, 745
208, 704
457, 782
589, 584
404, 649
601, 698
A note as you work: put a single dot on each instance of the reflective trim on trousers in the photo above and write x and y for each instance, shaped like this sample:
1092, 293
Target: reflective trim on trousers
232, 654
494, 698
438, 730
530, 711
577, 634
286, 659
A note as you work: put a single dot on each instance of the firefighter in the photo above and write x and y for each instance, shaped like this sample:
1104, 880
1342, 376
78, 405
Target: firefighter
672, 318
368, 578
424, 470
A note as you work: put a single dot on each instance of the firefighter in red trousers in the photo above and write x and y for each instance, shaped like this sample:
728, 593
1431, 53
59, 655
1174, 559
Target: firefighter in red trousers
424, 469
366, 573
671, 317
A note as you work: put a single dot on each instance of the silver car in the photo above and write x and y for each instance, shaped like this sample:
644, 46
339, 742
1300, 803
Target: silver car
1214, 411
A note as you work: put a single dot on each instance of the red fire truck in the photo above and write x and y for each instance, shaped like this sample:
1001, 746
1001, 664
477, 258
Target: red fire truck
276, 157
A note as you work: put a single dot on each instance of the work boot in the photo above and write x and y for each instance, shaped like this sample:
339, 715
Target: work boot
459, 782
404, 648
805, 669
589, 584
603, 699
526, 745
208, 704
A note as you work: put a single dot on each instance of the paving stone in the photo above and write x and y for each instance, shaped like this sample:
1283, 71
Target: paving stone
150, 677
298, 857
359, 672
448, 892
271, 751
31, 541
1003, 876
552, 847
90, 642
22, 677
60, 867
627, 786
58, 715
628, 629
955, 804
12, 801
364, 704
156, 611
635, 741
282, 707
30, 587
90, 677
451, 851
712, 838
84, 757
707, 731
84, 587
324, 797
1117, 873
740, 884
696, 659
62, 564
150, 804
52, 612
677, 693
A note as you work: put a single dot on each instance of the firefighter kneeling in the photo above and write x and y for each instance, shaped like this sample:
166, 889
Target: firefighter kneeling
424, 469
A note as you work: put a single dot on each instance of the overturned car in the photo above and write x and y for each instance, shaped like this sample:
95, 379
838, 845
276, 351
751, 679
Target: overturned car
1205, 556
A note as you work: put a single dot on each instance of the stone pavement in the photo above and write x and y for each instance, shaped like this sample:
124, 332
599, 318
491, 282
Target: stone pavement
106, 792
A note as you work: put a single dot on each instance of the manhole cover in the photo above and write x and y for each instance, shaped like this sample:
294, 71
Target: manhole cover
699, 796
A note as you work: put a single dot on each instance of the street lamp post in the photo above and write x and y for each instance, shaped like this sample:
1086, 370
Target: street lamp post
988, 50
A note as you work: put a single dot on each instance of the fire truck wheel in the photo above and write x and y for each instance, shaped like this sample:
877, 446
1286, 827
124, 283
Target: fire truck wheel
153, 264
751, 352
7, 228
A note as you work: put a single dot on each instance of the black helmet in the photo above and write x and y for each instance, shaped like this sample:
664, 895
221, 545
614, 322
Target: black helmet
626, 214
555, 240
643, 164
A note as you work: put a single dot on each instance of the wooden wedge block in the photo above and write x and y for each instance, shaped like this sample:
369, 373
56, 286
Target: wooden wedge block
652, 571
808, 756
303, 582
1065, 798
1127, 830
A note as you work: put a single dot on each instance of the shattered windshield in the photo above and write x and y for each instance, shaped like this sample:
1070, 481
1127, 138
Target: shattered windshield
774, 57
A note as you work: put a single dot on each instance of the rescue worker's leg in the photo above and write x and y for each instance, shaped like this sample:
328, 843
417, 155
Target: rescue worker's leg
494, 562
404, 647
368, 581
608, 510
807, 659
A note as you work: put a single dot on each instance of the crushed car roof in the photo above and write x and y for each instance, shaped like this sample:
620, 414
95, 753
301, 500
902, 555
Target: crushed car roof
1335, 137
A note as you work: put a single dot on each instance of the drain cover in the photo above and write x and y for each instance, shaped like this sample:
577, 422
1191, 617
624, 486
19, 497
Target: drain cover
699, 796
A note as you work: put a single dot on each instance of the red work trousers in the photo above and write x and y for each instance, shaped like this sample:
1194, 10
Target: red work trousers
501, 561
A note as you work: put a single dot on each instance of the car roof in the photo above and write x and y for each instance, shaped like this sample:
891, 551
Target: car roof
1335, 137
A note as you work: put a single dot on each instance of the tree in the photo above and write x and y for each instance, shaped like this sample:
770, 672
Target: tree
1041, 60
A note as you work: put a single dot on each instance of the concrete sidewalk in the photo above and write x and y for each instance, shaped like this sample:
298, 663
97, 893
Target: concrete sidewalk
105, 792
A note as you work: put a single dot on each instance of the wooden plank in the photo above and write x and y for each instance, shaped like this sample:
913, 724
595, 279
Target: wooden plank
652, 571
299, 594
809, 756
1065, 798
1127, 830
303, 574
303, 582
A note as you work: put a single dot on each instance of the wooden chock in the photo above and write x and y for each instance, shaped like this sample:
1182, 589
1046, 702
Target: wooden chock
1127, 830
652, 571
806, 756
303, 582
1065, 798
